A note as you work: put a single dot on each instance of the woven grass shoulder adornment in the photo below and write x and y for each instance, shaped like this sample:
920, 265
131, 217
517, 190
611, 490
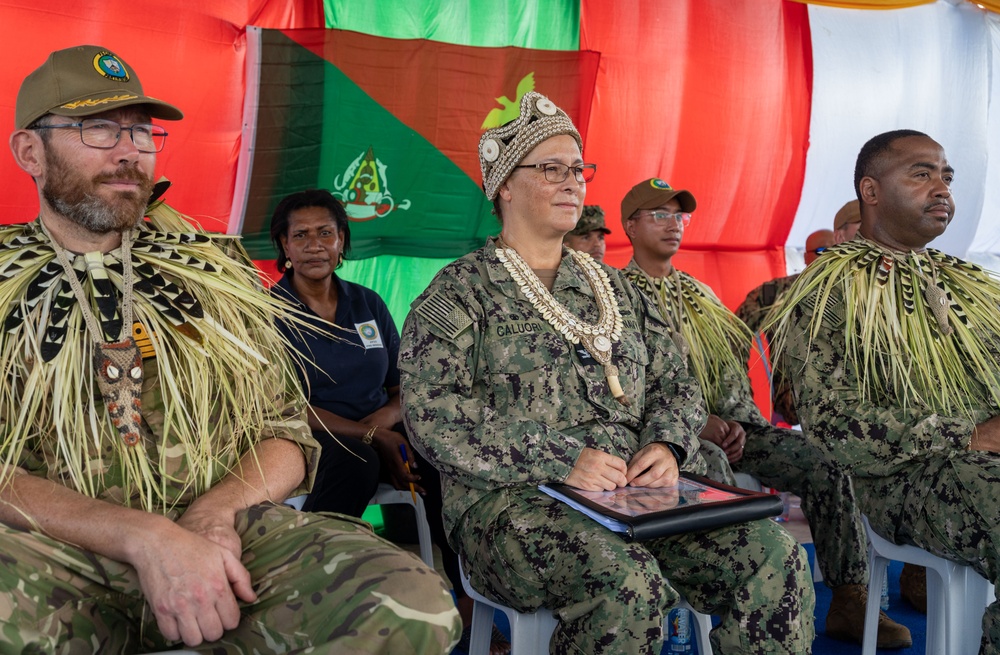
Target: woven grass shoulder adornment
717, 341
225, 377
920, 327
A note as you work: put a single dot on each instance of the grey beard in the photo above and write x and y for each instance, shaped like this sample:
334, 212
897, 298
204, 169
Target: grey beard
97, 216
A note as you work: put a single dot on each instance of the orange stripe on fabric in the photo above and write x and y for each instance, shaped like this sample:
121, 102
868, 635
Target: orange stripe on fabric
867, 4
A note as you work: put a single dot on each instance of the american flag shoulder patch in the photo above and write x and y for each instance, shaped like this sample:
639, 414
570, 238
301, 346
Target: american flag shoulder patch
444, 314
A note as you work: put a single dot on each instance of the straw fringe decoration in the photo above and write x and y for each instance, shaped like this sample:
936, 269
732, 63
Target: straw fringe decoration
718, 342
212, 328
921, 326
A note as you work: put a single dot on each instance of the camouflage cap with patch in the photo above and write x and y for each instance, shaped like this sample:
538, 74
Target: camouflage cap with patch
591, 219
81, 81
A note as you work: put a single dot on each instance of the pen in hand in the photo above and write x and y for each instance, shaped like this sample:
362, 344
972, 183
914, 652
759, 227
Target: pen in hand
406, 463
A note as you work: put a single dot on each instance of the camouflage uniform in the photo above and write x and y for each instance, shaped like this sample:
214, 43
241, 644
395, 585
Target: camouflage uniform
915, 479
500, 402
325, 583
753, 312
781, 458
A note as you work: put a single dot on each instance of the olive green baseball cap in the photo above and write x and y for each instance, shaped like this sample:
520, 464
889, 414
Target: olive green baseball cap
81, 81
653, 193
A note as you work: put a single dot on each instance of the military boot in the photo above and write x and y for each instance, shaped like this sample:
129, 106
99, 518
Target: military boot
913, 586
846, 619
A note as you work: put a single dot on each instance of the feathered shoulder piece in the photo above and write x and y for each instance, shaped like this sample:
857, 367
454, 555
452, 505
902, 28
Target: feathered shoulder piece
920, 328
717, 342
223, 373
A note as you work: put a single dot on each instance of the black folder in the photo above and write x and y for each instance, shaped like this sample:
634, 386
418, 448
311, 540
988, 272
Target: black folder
694, 504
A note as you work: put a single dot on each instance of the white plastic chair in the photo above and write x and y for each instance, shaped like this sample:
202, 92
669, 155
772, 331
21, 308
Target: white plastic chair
956, 597
530, 633
386, 494
747, 481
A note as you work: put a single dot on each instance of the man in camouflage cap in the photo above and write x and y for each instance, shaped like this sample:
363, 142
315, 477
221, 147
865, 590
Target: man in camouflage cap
150, 425
737, 436
588, 235
891, 347
847, 221
527, 362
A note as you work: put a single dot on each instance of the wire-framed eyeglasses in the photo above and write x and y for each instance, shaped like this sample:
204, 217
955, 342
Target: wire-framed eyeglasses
104, 134
557, 173
660, 216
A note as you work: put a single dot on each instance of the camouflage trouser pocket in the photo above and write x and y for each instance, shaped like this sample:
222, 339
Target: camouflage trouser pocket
503, 546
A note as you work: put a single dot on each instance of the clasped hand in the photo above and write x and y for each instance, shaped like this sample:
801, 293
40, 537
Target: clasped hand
596, 470
192, 577
727, 435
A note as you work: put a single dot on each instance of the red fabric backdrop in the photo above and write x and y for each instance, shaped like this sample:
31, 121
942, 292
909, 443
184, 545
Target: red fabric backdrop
713, 96
737, 141
191, 55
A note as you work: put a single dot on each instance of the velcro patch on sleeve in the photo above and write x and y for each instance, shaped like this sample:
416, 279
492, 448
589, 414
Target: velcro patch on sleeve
833, 312
444, 314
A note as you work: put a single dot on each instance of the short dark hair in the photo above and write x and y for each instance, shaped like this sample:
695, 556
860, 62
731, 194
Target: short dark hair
302, 200
871, 158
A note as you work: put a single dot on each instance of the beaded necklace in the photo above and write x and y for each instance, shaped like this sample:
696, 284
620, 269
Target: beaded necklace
117, 364
597, 338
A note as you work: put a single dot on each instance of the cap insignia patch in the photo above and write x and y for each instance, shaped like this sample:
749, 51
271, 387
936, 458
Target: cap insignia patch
110, 66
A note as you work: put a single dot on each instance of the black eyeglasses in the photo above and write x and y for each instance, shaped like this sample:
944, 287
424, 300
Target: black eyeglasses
659, 216
104, 134
557, 173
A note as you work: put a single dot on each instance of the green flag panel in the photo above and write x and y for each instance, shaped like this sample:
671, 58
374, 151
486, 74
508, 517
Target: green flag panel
390, 127
539, 24
398, 280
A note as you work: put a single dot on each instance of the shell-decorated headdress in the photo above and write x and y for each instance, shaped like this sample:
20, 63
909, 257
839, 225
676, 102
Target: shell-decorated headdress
502, 148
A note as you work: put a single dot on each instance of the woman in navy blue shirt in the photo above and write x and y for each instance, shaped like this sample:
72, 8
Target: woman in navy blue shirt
351, 378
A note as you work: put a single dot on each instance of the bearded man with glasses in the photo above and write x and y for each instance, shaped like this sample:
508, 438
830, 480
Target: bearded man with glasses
149, 425
737, 437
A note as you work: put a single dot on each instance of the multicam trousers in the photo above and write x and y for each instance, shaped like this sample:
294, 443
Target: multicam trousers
325, 583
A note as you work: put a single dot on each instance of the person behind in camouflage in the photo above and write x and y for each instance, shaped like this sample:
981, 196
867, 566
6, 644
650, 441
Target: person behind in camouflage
148, 420
754, 310
896, 372
525, 363
654, 216
588, 235
847, 222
